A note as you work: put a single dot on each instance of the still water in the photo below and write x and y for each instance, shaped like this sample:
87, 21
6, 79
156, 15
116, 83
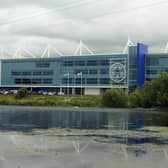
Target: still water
38, 137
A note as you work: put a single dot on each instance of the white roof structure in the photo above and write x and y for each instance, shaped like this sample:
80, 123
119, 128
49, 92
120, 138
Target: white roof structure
82, 47
128, 44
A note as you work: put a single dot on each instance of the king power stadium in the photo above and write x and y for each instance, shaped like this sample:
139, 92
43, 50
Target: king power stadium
83, 74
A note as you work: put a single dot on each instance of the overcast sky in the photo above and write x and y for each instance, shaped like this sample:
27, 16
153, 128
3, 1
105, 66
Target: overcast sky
104, 25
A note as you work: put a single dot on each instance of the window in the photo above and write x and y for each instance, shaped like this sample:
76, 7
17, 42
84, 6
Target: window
92, 63
26, 81
104, 71
15, 73
68, 63
151, 72
104, 62
67, 81
47, 81
48, 73
104, 81
42, 64
80, 63
93, 71
37, 73
84, 71
36, 81
152, 61
92, 81
79, 80
18, 81
26, 73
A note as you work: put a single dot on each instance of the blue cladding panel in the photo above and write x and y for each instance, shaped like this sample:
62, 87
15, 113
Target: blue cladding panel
142, 51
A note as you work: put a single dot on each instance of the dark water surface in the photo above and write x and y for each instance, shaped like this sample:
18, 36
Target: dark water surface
87, 138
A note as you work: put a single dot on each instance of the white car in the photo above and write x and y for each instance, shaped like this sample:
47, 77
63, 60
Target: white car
50, 93
5, 92
60, 93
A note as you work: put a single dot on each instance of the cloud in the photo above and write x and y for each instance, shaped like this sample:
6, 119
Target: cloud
103, 25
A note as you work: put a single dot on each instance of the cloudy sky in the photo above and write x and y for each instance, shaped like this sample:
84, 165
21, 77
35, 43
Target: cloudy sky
104, 25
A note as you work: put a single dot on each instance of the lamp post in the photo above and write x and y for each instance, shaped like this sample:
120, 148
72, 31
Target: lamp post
80, 74
67, 75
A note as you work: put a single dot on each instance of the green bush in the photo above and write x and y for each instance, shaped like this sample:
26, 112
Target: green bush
154, 93
23, 92
135, 98
161, 85
149, 93
114, 98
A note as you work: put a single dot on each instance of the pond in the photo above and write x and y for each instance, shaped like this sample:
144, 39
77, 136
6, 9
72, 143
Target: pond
42, 137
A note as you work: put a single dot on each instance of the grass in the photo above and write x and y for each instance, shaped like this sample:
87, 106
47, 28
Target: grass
63, 101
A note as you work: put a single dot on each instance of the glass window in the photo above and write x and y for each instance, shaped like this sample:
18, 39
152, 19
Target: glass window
84, 71
92, 63
36, 81
92, 81
47, 81
80, 63
66, 81
36, 73
26, 81
104, 62
18, 81
104, 71
93, 71
15, 73
26, 73
48, 73
42, 64
68, 63
79, 80
104, 81
151, 71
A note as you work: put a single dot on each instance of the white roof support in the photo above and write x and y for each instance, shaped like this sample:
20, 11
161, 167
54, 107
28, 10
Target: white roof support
81, 47
166, 48
19, 53
128, 44
47, 51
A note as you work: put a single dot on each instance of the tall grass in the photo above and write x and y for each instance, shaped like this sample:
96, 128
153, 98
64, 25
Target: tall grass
40, 100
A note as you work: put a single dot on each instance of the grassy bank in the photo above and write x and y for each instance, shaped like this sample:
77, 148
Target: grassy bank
63, 101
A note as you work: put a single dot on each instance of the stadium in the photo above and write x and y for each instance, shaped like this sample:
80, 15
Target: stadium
89, 74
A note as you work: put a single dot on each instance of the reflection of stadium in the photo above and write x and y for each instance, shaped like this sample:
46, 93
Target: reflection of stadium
86, 74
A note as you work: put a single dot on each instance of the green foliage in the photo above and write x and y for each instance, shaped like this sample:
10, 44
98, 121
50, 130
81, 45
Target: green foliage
153, 93
161, 85
22, 93
61, 101
135, 98
114, 98
149, 93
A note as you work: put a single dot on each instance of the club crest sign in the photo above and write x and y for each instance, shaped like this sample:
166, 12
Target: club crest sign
117, 72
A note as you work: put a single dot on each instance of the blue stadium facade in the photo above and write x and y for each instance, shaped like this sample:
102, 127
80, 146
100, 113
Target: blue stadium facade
89, 75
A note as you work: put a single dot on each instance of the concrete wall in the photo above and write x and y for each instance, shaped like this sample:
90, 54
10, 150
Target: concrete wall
92, 91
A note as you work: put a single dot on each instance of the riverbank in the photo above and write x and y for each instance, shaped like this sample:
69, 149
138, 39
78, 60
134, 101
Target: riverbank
53, 101
87, 102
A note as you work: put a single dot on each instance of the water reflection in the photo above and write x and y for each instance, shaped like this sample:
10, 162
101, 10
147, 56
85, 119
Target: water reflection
80, 138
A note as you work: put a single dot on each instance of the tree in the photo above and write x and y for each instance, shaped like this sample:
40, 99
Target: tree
135, 98
149, 93
23, 92
114, 98
161, 85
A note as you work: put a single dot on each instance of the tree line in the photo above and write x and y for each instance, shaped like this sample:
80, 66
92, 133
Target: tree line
153, 94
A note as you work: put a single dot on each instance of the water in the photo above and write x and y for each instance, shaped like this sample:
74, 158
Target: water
82, 138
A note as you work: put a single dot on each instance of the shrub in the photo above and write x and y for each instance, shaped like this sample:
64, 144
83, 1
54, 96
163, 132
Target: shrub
149, 93
23, 92
114, 98
135, 98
